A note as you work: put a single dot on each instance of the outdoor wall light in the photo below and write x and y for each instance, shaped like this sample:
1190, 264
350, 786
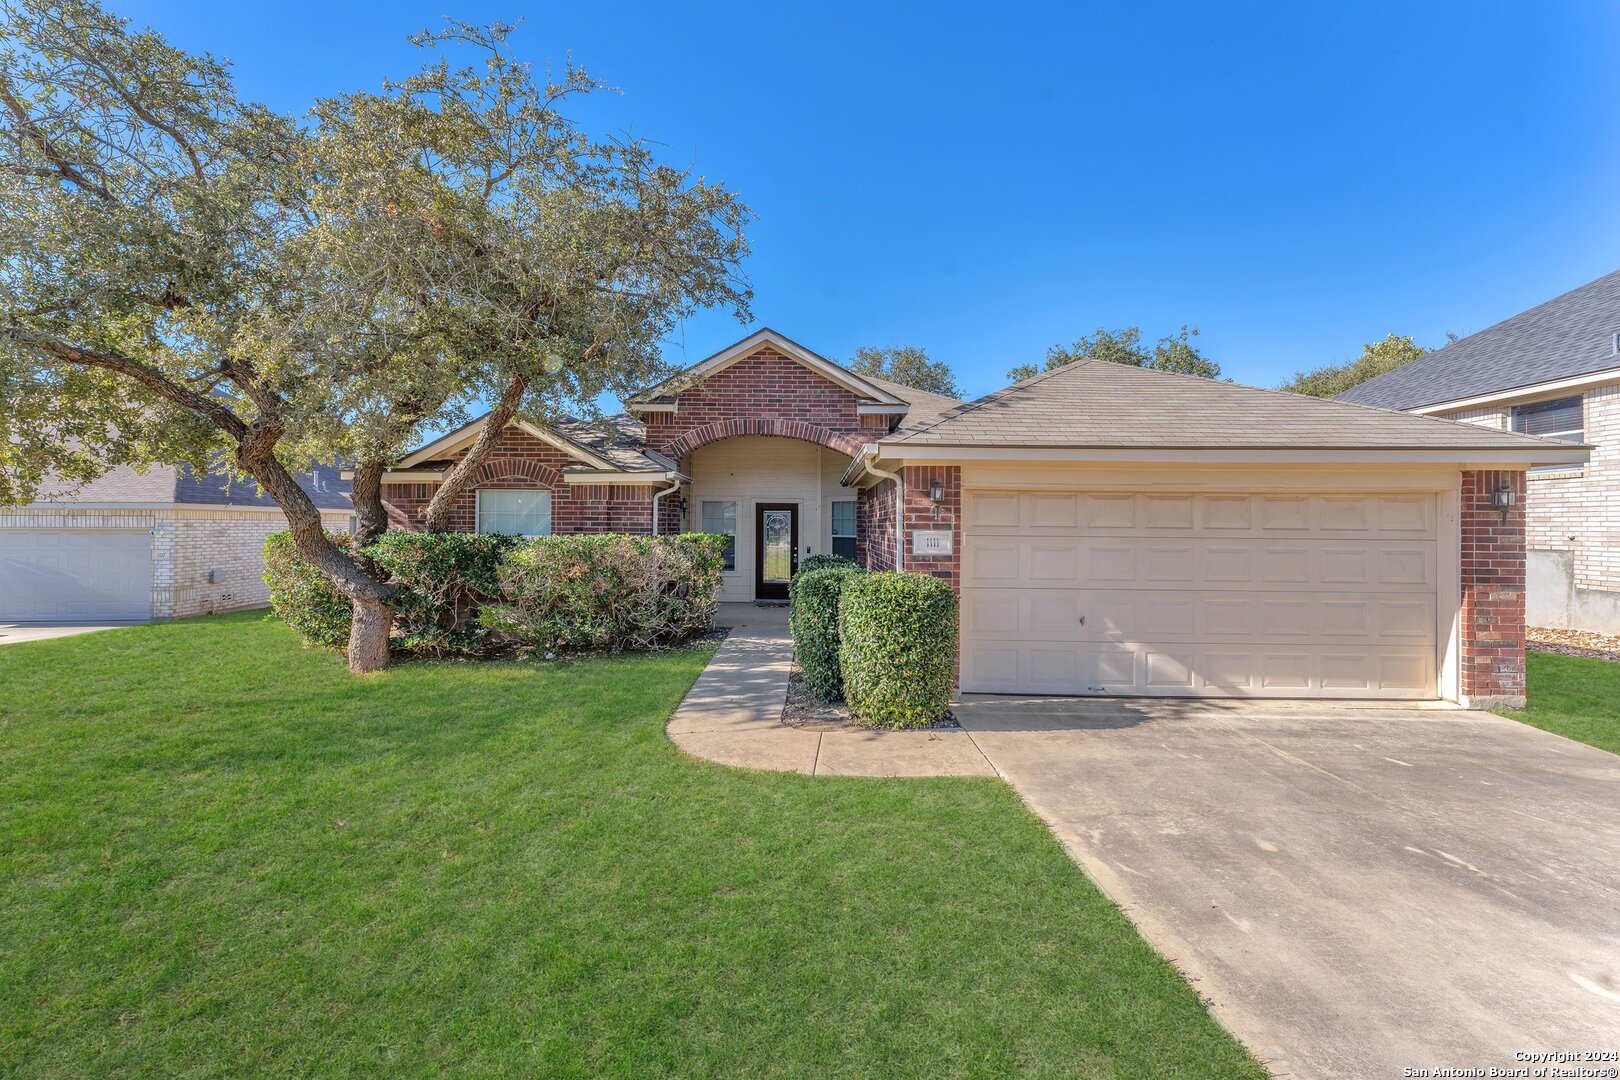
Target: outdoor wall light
1503, 499
936, 492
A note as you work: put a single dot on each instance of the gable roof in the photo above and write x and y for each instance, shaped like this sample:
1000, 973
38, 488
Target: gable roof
181, 485
1568, 336
1094, 404
610, 444
859, 385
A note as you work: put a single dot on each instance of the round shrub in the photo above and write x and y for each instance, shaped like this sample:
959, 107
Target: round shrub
303, 597
824, 561
813, 620
897, 647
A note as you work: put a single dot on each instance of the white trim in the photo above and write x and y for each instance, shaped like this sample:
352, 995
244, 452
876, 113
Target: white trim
1554, 388
403, 476
747, 347
1448, 596
1465, 457
881, 410
658, 406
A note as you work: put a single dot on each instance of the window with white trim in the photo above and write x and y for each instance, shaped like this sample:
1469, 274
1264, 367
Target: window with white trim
720, 518
843, 528
515, 513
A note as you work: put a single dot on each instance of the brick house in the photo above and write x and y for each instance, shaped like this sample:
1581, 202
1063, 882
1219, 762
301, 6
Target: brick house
1554, 371
131, 546
1108, 530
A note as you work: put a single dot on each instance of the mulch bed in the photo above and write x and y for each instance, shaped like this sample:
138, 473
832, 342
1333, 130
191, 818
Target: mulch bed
805, 710
1581, 643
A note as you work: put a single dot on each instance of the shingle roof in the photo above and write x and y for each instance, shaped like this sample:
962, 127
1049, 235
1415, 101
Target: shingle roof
620, 439
925, 407
1570, 335
1099, 405
182, 486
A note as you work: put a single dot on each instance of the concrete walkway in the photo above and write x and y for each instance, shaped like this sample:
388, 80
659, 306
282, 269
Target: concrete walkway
733, 715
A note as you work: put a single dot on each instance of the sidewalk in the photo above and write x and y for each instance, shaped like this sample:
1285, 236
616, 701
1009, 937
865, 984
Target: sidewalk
733, 715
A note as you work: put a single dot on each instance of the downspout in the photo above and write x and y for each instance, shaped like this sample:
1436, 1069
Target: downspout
899, 508
657, 495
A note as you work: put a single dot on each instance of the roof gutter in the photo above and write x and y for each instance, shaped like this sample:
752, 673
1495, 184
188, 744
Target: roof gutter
1551, 388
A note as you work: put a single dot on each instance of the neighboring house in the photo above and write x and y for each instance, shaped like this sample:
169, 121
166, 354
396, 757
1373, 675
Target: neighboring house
1553, 371
158, 544
1109, 530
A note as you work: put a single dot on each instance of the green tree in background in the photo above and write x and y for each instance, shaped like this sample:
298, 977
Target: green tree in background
1175, 352
908, 366
1376, 358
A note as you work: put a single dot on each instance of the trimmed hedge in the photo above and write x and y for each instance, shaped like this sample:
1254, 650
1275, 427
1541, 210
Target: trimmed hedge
897, 647
302, 596
813, 619
609, 591
824, 561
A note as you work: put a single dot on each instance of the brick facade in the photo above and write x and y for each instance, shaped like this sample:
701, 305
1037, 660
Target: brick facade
874, 526
921, 513
523, 462
762, 386
1493, 577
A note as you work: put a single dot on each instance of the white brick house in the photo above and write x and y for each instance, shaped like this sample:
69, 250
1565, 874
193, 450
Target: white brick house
1553, 370
161, 544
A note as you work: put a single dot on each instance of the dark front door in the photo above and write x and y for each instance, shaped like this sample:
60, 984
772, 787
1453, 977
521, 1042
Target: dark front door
776, 548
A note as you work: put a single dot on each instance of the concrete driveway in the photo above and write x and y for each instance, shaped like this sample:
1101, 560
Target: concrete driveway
1357, 890
12, 633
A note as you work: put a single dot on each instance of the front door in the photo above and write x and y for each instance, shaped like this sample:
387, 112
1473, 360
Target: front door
776, 549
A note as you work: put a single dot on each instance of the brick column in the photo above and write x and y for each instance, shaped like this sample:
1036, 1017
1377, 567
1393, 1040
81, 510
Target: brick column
1492, 674
920, 513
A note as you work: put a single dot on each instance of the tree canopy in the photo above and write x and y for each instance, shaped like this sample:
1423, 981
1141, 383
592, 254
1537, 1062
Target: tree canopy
187, 276
907, 365
1175, 352
1377, 358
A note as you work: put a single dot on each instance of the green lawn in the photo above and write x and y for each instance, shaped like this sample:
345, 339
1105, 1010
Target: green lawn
220, 855
1573, 697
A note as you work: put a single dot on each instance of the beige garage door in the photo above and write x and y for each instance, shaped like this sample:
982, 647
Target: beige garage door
1232, 594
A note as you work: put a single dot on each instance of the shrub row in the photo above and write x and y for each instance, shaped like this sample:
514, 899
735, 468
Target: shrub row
602, 591
885, 642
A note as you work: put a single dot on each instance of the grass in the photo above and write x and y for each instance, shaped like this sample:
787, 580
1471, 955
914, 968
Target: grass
220, 855
1574, 697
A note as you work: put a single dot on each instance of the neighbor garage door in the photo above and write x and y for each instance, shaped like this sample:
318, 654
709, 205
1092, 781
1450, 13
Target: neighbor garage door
75, 575
1232, 594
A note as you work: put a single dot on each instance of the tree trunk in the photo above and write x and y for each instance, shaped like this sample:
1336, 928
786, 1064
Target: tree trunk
436, 518
366, 495
368, 636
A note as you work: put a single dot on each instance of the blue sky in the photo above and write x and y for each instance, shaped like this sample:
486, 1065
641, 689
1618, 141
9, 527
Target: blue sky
1293, 179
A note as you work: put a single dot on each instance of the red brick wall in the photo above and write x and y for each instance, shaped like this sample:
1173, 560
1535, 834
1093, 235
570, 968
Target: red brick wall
1492, 589
874, 526
764, 385
922, 513
522, 461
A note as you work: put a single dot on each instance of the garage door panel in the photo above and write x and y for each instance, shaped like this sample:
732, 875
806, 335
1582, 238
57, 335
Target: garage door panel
1279, 595
1078, 562
75, 575
1403, 515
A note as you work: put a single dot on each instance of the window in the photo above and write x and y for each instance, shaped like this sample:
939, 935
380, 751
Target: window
1561, 418
843, 528
721, 518
516, 513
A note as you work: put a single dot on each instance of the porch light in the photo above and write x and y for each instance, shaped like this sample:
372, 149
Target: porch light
936, 492
1503, 499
